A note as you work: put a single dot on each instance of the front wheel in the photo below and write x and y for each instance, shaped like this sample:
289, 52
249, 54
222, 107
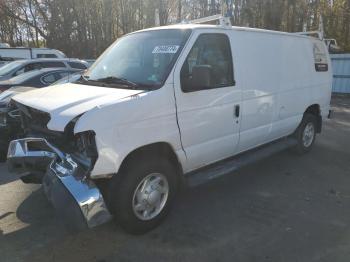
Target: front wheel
142, 195
306, 134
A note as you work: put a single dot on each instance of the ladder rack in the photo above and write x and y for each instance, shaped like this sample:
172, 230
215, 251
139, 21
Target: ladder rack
311, 33
223, 20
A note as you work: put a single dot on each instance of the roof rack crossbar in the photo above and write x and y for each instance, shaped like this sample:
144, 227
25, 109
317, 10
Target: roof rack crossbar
310, 33
223, 20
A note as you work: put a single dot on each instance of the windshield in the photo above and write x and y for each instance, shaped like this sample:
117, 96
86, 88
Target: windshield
4, 70
143, 58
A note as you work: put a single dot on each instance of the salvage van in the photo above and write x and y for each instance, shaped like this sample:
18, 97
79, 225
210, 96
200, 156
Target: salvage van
168, 106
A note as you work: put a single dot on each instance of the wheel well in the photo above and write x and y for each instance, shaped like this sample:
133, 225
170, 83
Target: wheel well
315, 110
156, 150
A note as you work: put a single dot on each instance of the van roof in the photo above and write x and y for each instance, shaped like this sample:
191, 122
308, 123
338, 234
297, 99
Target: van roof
213, 27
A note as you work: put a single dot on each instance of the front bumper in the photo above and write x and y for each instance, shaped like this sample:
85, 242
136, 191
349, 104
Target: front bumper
77, 199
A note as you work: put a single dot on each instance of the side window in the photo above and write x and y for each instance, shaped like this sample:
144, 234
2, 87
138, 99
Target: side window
19, 71
320, 57
60, 75
53, 64
49, 78
208, 65
77, 65
27, 68
46, 56
32, 66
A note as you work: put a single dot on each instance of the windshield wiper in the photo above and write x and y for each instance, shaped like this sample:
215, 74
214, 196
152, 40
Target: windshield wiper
110, 80
116, 80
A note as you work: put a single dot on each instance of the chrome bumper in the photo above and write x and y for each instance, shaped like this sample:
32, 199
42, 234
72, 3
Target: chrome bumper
76, 198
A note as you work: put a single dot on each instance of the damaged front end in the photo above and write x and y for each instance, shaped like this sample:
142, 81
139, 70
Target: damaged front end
76, 198
62, 162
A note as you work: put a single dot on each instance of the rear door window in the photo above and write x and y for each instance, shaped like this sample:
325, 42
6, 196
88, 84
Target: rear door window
50, 64
49, 78
27, 68
60, 75
320, 57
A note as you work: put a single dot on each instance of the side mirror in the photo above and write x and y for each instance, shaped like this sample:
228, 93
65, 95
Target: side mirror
200, 80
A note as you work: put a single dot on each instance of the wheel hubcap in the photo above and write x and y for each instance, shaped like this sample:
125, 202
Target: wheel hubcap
150, 196
308, 134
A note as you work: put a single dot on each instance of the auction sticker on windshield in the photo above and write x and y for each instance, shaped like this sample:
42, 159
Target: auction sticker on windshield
165, 49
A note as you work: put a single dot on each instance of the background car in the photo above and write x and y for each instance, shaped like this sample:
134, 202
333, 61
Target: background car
68, 79
37, 78
19, 67
24, 83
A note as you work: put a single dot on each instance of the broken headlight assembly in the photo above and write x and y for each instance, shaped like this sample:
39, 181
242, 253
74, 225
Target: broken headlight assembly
86, 148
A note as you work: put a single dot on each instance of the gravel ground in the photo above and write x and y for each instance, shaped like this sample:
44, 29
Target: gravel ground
284, 208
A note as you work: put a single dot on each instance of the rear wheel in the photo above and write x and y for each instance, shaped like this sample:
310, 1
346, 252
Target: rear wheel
140, 196
306, 134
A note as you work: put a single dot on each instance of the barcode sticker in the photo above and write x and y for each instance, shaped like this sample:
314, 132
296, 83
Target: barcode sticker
165, 49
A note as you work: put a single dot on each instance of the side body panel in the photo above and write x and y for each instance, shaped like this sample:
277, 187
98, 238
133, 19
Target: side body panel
135, 122
280, 82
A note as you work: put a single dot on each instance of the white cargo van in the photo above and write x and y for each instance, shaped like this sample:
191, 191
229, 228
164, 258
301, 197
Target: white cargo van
30, 53
166, 106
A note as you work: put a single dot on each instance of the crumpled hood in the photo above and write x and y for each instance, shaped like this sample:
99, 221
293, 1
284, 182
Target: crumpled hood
65, 102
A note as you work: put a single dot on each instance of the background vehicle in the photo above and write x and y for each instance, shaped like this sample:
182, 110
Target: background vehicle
37, 78
167, 105
4, 45
16, 68
29, 81
68, 79
332, 46
30, 53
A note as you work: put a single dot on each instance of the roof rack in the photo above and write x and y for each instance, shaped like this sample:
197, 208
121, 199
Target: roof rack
319, 32
223, 20
311, 33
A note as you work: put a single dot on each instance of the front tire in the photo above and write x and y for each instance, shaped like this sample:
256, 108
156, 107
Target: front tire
140, 197
306, 134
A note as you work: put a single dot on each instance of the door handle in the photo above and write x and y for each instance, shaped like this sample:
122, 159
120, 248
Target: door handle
237, 109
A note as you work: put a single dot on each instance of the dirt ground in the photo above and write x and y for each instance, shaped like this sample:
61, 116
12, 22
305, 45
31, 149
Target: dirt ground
284, 208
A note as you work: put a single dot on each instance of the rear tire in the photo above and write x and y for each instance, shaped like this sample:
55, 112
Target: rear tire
141, 195
305, 134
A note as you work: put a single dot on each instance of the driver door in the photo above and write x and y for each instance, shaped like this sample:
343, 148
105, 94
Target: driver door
208, 100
